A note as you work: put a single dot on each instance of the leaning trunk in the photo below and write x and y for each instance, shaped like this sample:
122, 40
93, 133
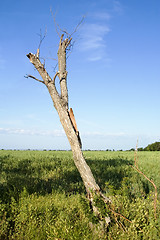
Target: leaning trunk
70, 128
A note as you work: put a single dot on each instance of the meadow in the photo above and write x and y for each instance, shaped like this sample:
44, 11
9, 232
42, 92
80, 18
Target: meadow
42, 195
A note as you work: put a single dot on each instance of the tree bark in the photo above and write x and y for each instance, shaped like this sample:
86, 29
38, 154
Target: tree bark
61, 105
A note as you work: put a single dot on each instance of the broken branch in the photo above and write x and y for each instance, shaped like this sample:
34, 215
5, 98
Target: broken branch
68, 42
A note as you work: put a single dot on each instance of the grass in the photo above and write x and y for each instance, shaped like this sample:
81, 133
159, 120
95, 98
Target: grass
42, 195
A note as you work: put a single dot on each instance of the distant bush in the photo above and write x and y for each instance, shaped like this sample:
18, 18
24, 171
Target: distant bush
153, 147
132, 149
140, 149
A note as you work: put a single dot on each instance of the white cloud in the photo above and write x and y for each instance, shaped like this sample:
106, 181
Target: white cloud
94, 33
93, 41
54, 133
95, 58
101, 15
93, 36
117, 7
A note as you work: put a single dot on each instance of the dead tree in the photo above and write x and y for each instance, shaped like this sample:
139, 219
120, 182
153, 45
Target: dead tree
67, 119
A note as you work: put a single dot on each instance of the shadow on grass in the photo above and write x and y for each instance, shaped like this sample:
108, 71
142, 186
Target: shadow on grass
37, 179
66, 179
111, 171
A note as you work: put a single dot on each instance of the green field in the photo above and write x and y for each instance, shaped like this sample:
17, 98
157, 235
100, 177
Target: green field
42, 195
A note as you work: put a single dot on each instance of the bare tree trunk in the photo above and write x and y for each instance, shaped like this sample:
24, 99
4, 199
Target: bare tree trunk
61, 105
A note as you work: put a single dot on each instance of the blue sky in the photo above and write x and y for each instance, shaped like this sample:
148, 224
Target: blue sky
113, 73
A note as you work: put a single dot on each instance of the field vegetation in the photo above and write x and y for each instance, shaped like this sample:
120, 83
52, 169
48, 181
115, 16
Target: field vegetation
42, 196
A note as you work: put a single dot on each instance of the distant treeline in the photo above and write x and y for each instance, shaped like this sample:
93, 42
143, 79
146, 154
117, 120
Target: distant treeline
151, 147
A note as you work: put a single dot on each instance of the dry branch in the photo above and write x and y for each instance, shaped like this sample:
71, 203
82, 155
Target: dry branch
155, 189
30, 76
150, 180
120, 215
